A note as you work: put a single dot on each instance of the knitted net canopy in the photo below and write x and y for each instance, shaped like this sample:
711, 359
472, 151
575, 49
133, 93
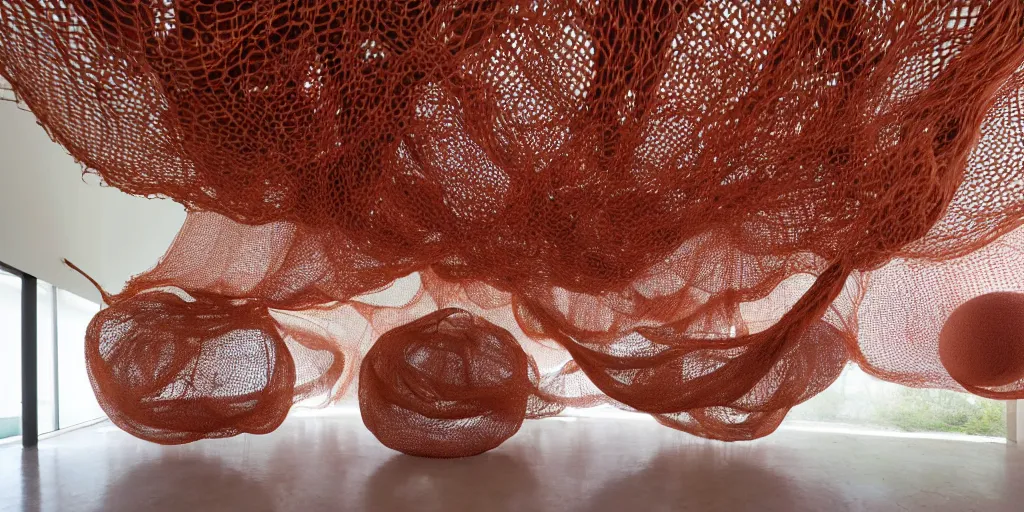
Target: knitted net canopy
475, 212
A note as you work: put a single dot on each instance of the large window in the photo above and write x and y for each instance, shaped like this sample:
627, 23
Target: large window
10, 354
859, 400
64, 393
45, 370
77, 400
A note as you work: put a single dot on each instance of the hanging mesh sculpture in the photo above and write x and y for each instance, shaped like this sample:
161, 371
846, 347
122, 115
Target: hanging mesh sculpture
700, 210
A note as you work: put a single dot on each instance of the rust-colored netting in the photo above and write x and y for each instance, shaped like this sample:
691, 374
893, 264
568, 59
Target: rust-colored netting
181, 370
700, 210
446, 372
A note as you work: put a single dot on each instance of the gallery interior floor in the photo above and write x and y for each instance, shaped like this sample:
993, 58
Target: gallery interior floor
589, 464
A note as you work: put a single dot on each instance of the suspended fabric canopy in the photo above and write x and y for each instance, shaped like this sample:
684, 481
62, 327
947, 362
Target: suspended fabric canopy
469, 213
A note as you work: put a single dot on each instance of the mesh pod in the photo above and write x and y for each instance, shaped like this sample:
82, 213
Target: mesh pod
171, 370
447, 385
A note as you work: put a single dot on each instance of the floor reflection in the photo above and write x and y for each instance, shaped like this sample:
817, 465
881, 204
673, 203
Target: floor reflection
186, 483
334, 463
702, 478
491, 481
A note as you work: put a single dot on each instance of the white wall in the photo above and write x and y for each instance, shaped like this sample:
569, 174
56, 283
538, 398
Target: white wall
49, 212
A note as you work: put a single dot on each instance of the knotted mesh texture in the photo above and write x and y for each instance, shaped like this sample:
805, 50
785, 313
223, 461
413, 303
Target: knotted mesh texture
696, 209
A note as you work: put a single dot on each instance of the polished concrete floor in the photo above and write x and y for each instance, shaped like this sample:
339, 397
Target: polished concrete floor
588, 464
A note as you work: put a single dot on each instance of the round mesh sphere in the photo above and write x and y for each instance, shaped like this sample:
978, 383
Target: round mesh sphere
447, 385
982, 342
172, 371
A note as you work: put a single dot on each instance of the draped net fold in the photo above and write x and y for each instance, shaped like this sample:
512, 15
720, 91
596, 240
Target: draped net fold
699, 210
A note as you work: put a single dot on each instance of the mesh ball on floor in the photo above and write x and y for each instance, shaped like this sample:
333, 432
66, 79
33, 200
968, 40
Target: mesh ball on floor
447, 385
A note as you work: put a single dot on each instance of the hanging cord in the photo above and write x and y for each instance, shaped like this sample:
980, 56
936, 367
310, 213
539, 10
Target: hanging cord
106, 297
